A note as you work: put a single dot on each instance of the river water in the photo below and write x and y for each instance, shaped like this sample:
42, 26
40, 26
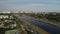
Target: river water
49, 28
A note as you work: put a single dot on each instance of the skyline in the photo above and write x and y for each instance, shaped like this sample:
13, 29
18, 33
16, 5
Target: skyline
30, 5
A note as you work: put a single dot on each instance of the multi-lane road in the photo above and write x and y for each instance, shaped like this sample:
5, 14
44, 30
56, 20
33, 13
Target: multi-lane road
48, 28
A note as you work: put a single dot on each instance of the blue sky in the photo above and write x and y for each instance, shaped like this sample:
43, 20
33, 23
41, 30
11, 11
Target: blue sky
43, 5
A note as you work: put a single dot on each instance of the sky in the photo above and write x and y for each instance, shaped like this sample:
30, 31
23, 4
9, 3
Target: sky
30, 5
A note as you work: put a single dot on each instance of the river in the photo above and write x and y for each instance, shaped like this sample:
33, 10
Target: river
47, 27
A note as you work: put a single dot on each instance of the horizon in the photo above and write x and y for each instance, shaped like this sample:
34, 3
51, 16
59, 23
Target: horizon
30, 5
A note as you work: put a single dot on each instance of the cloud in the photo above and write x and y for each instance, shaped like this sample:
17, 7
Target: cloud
41, 4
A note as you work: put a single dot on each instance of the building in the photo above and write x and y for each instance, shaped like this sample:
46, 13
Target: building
7, 21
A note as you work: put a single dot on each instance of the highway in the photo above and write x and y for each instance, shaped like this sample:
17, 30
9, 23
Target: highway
49, 28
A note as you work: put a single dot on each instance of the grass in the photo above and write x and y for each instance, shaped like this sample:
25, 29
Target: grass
45, 21
39, 30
